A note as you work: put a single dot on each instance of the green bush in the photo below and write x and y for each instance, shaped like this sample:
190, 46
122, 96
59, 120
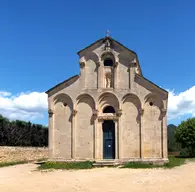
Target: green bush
184, 152
173, 146
185, 135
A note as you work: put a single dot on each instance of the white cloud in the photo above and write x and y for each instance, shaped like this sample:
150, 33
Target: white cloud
24, 106
180, 104
4, 93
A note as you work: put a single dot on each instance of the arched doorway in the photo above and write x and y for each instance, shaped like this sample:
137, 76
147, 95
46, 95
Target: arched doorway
108, 127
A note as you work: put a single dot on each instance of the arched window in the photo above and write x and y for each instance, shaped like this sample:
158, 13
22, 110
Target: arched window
108, 62
109, 109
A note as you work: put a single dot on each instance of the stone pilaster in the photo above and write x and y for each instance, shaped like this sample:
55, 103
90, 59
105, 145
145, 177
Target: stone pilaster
100, 139
131, 74
119, 136
74, 112
116, 139
82, 63
129, 71
116, 75
51, 133
95, 145
141, 113
164, 134
100, 75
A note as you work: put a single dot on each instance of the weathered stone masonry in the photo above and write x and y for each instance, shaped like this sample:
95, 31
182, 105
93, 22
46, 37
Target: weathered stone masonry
109, 110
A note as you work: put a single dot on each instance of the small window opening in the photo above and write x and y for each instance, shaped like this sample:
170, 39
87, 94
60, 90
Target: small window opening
108, 62
109, 109
151, 103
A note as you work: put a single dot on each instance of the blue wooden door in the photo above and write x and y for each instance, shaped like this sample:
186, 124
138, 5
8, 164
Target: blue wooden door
108, 140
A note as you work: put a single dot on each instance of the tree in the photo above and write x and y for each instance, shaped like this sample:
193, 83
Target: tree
22, 133
173, 146
185, 134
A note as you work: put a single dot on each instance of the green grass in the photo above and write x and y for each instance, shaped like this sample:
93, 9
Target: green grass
173, 162
66, 165
139, 165
5, 164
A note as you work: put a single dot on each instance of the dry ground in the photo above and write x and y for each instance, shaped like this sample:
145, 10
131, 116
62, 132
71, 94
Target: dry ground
24, 178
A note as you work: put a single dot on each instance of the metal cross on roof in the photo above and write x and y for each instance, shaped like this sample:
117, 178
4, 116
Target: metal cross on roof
107, 33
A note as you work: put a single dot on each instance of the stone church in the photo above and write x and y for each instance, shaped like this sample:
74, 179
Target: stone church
110, 111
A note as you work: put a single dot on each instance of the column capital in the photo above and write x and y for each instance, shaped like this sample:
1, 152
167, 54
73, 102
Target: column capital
50, 112
82, 62
141, 111
74, 112
98, 63
101, 120
95, 112
116, 120
119, 112
132, 63
116, 64
163, 112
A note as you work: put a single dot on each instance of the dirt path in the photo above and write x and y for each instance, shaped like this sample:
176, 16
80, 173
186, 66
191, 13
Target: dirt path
23, 178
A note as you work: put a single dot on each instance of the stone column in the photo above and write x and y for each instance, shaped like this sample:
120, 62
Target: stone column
82, 70
116, 139
51, 134
129, 70
141, 112
100, 75
119, 113
115, 79
132, 74
73, 155
100, 138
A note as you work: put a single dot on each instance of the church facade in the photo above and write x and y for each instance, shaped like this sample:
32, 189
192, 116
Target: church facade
109, 111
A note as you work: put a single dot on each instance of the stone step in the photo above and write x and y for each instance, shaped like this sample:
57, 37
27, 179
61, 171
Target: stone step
105, 163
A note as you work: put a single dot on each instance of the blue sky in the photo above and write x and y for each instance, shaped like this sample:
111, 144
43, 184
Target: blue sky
36, 36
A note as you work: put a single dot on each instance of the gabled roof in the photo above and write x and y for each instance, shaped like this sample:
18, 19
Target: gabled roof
111, 39
141, 77
67, 80
104, 39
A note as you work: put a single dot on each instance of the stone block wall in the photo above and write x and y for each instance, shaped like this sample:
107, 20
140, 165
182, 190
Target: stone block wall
13, 154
